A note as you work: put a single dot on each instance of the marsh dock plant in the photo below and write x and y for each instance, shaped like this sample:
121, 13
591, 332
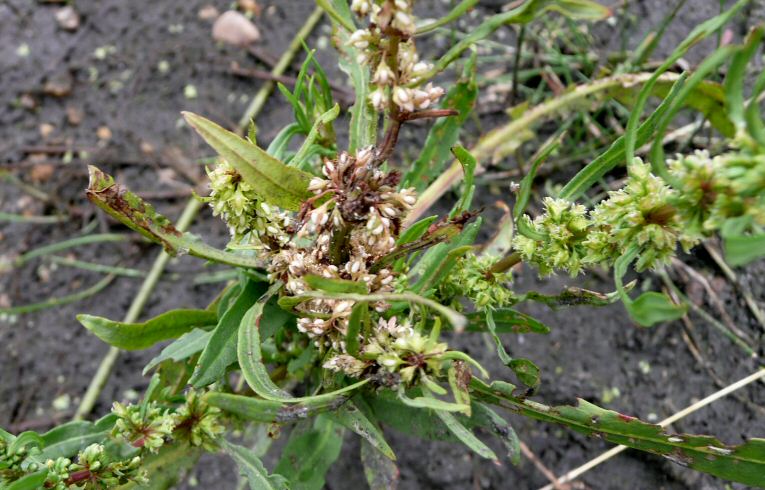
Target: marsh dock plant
337, 317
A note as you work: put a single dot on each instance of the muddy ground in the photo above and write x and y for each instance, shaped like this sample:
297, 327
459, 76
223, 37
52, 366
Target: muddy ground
111, 92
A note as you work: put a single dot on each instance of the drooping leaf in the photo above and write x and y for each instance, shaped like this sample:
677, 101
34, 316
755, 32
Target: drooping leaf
573, 296
485, 417
526, 370
469, 164
220, 351
430, 403
310, 451
385, 407
135, 336
251, 467
349, 416
140, 216
416, 231
651, 308
744, 463
359, 314
507, 320
275, 182
463, 433
381, 472
184, 347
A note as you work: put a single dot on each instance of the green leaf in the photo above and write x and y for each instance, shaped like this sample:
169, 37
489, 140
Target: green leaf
734, 79
742, 249
301, 156
184, 347
251, 467
416, 231
507, 320
485, 417
271, 411
463, 434
220, 351
349, 416
744, 463
527, 182
339, 12
310, 452
527, 371
580, 9
363, 125
573, 296
136, 336
254, 370
458, 11
33, 481
700, 32
436, 263
278, 184
651, 308
335, 285
444, 133
385, 407
432, 403
492, 326
359, 314
469, 164
140, 216
596, 169
68, 439
381, 472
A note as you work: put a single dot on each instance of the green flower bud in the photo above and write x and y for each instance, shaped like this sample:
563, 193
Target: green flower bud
144, 431
198, 423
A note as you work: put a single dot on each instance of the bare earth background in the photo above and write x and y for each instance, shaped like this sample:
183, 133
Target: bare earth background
116, 103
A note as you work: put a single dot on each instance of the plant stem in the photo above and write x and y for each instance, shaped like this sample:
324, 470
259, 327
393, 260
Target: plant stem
577, 472
63, 300
189, 213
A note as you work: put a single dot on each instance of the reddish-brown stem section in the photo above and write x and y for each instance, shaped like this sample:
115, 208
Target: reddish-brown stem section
78, 476
429, 113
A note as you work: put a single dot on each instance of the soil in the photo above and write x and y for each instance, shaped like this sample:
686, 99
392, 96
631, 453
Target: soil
112, 91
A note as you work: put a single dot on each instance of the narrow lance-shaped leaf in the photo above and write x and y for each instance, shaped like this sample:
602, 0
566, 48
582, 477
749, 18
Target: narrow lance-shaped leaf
354, 419
744, 463
277, 183
135, 336
138, 215
310, 452
381, 473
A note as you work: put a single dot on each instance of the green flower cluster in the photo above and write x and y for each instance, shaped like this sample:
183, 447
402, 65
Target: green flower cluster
12, 459
555, 239
714, 190
198, 423
93, 470
641, 216
143, 427
473, 279
232, 198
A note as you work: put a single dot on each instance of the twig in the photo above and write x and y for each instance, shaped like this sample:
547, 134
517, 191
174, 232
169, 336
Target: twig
745, 291
577, 472
557, 485
189, 213
63, 300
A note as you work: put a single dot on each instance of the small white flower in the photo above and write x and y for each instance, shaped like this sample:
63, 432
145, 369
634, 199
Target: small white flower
402, 96
317, 184
359, 39
383, 75
378, 99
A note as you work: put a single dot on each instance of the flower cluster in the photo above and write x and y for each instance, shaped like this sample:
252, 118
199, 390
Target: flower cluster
387, 46
12, 464
639, 215
648, 215
198, 423
143, 428
351, 224
555, 239
93, 470
232, 198
473, 279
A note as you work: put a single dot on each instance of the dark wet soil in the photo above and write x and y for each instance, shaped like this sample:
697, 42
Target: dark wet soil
123, 77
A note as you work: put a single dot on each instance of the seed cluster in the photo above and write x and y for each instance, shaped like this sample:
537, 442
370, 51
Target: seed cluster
387, 46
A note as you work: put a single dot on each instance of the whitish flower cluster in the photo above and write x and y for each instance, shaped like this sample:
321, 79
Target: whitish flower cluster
232, 198
353, 222
472, 278
93, 469
387, 46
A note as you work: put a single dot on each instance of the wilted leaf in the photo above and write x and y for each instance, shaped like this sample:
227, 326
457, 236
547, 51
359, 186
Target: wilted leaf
251, 467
